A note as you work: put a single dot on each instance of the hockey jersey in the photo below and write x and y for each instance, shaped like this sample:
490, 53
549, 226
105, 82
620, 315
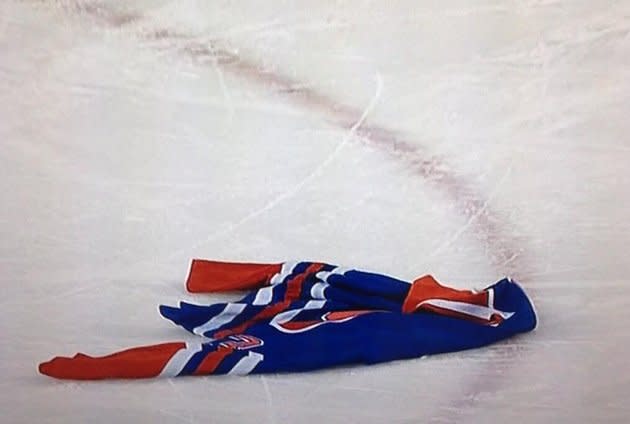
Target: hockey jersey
301, 316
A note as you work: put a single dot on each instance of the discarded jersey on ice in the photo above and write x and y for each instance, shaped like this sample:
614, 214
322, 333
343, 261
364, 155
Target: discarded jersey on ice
307, 315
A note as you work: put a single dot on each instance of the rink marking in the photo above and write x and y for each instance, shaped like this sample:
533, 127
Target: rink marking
506, 257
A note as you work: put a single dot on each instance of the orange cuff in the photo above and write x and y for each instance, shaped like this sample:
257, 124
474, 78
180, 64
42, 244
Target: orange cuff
213, 276
425, 288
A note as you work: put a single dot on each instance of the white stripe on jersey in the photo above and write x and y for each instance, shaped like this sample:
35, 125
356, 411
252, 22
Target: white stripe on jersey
324, 275
471, 309
178, 361
286, 270
317, 291
230, 312
246, 364
264, 296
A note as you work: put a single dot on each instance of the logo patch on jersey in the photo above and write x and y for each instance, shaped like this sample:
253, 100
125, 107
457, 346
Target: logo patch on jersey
242, 342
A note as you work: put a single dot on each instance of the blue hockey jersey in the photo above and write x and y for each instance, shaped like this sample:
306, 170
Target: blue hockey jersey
302, 316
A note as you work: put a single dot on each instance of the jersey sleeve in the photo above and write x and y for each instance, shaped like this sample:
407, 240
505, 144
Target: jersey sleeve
214, 276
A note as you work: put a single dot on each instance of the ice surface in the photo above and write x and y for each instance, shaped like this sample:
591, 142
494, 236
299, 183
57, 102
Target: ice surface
466, 139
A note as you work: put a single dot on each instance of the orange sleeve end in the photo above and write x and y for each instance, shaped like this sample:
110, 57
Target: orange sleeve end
427, 287
213, 276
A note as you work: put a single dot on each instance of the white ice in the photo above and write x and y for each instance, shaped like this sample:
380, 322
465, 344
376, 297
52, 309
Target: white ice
467, 139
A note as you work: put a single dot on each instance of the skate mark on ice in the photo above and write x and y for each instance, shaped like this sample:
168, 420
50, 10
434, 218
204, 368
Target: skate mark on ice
305, 181
471, 219
269, 399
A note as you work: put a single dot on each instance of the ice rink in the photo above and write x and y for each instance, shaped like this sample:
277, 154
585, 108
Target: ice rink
467, 139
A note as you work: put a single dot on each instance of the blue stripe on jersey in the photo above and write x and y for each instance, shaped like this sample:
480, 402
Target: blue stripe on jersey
189, 315
300, 268
229, 361
195, 361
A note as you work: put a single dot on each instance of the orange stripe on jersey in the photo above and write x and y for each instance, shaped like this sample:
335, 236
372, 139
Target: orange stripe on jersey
344, 315
293, 292
266, 313
294, 286
301, 325
212, 361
